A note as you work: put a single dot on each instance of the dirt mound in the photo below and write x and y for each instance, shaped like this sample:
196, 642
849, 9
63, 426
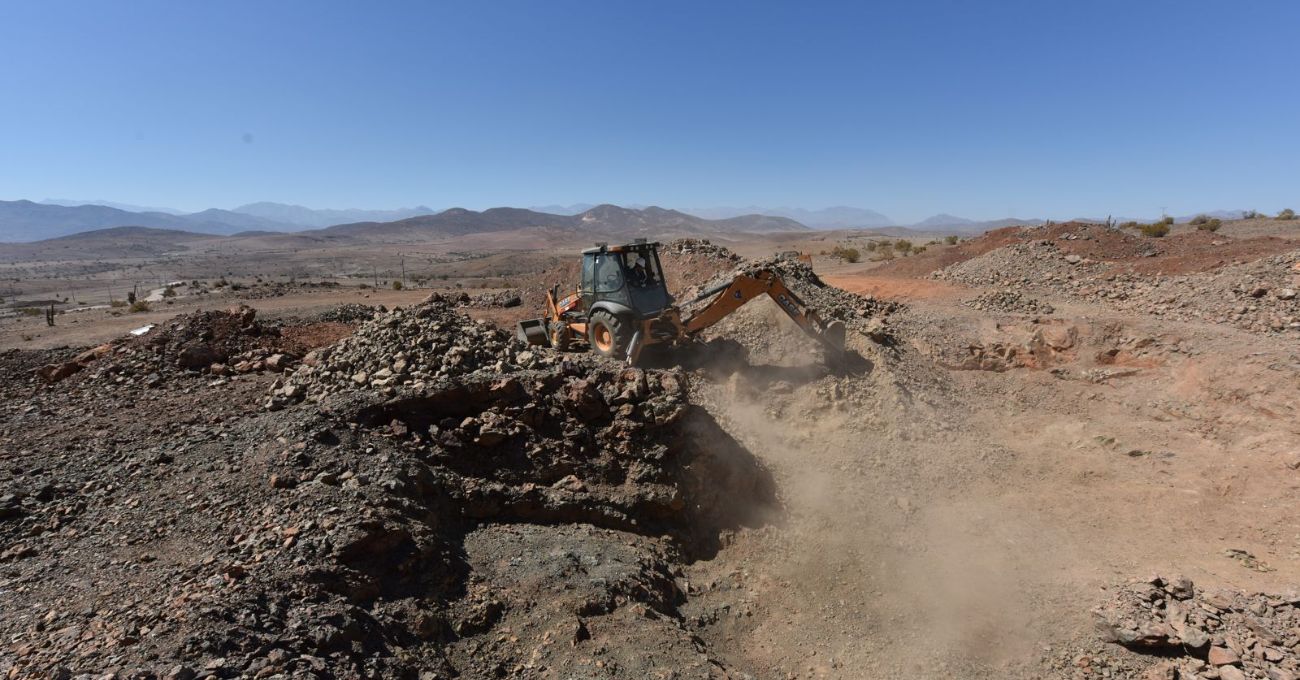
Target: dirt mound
216, 342
1186, 633
1259, 296
1185, 251
857, 312
490, 521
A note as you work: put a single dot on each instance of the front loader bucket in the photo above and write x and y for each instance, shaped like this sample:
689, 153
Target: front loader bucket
533, 332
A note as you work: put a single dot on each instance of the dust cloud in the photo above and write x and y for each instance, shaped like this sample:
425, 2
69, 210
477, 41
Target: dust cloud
895, 553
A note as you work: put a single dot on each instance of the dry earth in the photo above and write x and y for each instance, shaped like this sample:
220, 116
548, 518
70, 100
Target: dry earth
977, 492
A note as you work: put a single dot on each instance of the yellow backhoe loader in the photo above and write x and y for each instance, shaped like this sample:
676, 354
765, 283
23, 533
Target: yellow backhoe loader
622, 306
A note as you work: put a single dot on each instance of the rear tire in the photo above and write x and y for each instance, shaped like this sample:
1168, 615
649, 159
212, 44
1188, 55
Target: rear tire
608, 334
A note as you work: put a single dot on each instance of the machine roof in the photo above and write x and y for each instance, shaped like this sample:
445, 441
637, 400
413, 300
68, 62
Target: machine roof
618, 248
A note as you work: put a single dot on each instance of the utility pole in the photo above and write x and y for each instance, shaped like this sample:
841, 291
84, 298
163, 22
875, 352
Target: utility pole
403, 256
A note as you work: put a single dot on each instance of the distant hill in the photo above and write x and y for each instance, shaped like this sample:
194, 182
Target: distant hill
573, 209
116, 242
315, 218
944, 222
27, 221
837, 217
603, 220
68, 202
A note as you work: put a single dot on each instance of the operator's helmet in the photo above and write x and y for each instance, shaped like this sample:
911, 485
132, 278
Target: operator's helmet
640, 261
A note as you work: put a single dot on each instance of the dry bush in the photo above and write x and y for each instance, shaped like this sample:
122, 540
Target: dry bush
1155, 229
847, 254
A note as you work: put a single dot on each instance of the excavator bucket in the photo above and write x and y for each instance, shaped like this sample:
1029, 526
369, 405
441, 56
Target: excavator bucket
833, 335
533, 332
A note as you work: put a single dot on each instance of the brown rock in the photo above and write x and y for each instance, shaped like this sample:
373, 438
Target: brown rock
585, 400
1222, 656
53, 373
197, 357
1231, 673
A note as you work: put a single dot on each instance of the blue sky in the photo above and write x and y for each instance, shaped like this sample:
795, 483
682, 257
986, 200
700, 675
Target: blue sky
982, 109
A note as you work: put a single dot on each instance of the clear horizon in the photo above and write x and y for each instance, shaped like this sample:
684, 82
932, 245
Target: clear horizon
1023, 109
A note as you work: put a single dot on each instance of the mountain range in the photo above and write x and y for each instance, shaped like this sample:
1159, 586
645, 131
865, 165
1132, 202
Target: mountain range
25, 221
22, 221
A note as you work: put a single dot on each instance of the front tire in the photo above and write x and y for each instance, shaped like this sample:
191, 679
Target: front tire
560, 335
608, 334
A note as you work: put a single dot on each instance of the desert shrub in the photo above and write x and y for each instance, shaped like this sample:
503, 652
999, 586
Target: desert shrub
236, 286
397, 285
1166, 220
1199, 220
1287, 214
169, 292
871, 246
139, 306
1155, 229
903, 245
883, 253
1212, 224
1250, 214
221, 283
847, 254
31, 311
918, 250
117, 303
950, 239
1132, 224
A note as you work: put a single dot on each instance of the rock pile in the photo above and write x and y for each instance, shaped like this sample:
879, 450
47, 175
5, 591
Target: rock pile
504, 298
496, 522
701, 247
1259, 296
1008, 301
1032, 265
350, 313
1226, 635
406, 347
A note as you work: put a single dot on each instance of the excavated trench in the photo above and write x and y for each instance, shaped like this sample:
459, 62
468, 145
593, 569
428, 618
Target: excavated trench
543, 502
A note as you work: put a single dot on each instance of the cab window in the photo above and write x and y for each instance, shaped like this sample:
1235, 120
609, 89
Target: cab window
608, 270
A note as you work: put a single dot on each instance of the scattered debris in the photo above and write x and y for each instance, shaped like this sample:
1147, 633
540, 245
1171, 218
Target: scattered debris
1220, 634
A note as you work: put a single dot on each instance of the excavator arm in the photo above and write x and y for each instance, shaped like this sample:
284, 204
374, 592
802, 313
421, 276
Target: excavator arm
729, 297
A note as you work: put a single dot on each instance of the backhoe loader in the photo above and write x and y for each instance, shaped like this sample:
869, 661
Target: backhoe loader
622, 305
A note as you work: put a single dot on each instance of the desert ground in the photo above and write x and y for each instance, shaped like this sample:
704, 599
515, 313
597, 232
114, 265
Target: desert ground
1068, 451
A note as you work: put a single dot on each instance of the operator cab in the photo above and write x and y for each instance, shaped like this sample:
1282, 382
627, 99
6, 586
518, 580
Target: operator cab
627, 275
